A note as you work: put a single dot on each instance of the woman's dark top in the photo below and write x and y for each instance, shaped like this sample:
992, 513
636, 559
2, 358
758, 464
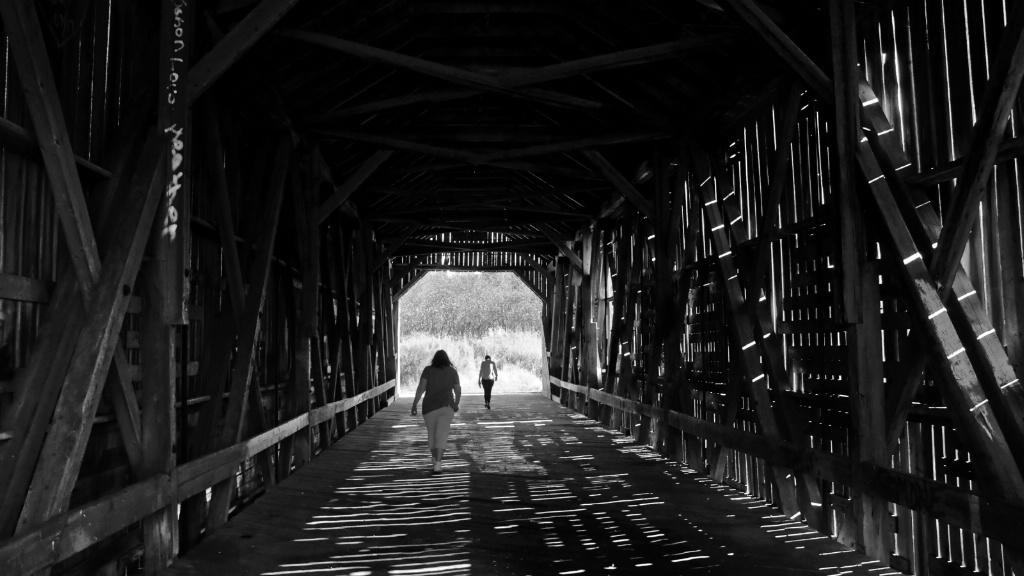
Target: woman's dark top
440, 387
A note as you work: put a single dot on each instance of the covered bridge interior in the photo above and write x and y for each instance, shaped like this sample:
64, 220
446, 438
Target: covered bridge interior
779, 242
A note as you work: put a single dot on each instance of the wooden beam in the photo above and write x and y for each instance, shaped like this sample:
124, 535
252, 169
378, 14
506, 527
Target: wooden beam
225, 221
38, 384
299, 445
843, 24
620, 183
157, 395
323, 391
562, 246
454, 154
24, 289
463, 268
741, 332
867, 411
450, 73
72, 532
798, 61
558, 71
1010, 149
954, 370
174, 122
417, 276
524, 246
28, 51
610, 61
37, 387
64, 447
972, 511
14, 137
61, 537
196, 475
957, 376
218, 329
471, 208
993, 114
120, 391
546, 249
780, 178
611, 208
540, 268
771, 349
428, 96
394, 246
342, 193
967, 311
237, 42
572, 145
248, 332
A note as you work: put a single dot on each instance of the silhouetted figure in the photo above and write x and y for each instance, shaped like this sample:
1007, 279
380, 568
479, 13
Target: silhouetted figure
488, 374
439, 387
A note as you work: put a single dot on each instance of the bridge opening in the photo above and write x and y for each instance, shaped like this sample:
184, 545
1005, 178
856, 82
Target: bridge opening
470, 315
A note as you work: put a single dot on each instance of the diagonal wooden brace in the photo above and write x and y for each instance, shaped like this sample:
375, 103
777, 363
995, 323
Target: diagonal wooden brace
985, 436
967, 311
741, 332
64, 447
242, 380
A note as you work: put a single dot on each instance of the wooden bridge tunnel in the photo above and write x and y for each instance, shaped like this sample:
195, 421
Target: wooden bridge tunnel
780, 242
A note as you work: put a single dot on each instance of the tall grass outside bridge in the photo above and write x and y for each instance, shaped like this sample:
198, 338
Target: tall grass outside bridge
470, 315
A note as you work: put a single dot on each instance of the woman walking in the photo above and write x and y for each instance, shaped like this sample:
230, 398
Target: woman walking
440, 390
488, 374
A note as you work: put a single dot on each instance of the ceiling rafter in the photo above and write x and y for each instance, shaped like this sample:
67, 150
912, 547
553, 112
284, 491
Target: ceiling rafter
453, 154
523, 78
450, 73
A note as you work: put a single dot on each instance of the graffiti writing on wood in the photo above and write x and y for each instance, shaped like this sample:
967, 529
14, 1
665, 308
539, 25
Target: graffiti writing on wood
176, 70
173, 77
177, 145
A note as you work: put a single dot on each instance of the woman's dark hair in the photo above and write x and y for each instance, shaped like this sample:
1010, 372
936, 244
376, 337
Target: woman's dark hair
441, 360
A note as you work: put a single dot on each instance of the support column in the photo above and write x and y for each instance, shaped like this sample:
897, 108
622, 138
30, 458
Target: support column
158, 371
868, 416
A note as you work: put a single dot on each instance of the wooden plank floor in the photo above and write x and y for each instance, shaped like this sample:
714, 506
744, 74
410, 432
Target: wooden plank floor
529, 488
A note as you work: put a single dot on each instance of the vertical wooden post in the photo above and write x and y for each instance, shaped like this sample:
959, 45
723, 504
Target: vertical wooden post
589, 375
350, 345
158, 370
364, 295
174, 122
61, 454
308, 243
391, 306
635, 330
741, 335
847, 104
868, 416
167, 286
558, 303
398, 343
241, 398
599, 272
620, 288
668, 321
570, 335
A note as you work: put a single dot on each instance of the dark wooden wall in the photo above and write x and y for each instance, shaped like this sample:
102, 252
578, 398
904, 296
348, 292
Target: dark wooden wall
260, 333
779, 328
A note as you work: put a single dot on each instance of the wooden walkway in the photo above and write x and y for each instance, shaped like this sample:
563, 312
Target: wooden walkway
529, 488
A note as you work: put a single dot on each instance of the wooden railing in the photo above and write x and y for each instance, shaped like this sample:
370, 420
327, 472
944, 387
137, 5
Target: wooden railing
997, 519
61, 537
